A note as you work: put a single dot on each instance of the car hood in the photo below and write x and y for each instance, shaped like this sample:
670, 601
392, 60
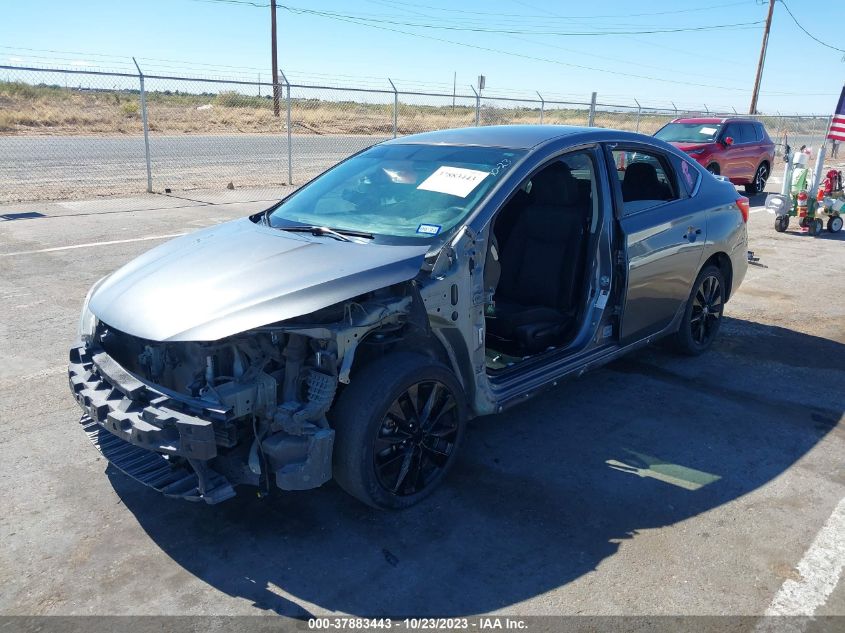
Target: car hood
689, 147
241, 275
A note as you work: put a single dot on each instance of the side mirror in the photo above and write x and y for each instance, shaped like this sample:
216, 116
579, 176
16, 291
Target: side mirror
729, 140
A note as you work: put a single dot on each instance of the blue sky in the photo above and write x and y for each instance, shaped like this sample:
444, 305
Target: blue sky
334, 45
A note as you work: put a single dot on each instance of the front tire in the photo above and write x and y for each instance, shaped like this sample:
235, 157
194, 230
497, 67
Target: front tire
713, 168
781, 223
834, 224
703, 315
398, 427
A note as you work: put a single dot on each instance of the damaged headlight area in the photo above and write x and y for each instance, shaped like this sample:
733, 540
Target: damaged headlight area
248, 409
87, 320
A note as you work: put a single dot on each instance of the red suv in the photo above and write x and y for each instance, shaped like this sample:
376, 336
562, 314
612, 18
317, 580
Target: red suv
738, 149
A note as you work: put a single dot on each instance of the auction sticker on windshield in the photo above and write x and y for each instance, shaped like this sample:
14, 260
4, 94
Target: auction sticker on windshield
429, 229
455, 181
707, 130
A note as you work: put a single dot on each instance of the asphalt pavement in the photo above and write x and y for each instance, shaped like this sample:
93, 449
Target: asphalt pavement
62, 167
656, 485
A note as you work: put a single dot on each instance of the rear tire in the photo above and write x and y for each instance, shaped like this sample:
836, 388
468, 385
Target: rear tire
703, 314
816, 227
781, 223
398, 427
834, 224
759, 183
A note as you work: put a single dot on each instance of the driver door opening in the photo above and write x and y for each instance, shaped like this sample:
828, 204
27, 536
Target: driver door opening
537, 268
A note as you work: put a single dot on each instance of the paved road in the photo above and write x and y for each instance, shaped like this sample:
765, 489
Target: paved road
657, 485
57, 167
78, 167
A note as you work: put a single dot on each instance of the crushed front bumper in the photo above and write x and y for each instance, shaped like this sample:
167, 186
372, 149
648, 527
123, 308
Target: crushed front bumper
143, 433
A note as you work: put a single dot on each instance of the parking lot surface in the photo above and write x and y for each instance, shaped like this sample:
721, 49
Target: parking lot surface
657, 485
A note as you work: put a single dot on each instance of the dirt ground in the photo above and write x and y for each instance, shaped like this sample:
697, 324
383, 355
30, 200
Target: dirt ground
658, 485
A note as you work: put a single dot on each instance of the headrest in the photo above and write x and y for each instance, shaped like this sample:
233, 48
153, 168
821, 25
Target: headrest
644, 172
555, 186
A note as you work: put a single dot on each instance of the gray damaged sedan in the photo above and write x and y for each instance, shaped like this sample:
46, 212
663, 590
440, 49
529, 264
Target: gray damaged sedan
350, 330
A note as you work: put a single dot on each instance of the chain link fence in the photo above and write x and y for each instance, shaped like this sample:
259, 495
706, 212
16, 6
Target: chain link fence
70, 134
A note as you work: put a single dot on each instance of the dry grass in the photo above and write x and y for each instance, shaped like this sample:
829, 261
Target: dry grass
52, 110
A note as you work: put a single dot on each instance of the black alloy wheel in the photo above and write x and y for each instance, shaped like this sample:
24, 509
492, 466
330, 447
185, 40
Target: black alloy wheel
416, 439
703, 315
707, 308
398, 427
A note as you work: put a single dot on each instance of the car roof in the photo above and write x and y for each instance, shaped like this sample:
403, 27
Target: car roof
714, 120
512, 136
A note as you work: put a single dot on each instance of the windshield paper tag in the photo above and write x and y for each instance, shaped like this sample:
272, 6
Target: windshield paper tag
429, 229
707, 130
454, 181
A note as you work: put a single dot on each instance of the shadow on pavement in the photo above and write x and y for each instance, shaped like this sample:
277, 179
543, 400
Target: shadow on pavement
541, 495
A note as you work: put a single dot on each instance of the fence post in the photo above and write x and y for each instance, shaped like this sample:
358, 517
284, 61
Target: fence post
675, 108
395, 105
813, 131
639, 111
592, 117
542, 107
477, 105
146, 128
287, 126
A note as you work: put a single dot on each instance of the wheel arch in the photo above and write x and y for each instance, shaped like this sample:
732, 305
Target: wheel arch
721, 261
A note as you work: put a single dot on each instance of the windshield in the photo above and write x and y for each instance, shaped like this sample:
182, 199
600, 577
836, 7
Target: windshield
689, 132
405, 191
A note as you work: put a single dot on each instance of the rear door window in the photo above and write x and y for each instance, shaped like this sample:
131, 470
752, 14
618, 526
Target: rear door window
646, 179
746, 133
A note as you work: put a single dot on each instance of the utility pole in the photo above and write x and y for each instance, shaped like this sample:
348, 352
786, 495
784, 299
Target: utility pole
454, 88
763, 47
275, 58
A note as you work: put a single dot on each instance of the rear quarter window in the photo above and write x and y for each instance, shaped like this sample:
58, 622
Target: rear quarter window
688, 176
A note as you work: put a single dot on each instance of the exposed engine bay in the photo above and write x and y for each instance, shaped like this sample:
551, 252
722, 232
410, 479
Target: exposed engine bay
265, 392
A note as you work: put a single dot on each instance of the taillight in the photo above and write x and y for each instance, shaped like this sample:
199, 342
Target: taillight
744, 207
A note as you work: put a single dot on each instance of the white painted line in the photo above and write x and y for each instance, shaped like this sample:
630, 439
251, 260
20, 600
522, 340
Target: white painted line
819, 570
758, 209
44, 373
91, 244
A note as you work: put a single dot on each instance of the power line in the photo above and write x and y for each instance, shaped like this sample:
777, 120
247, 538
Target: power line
333, 14
558, 16
798, 24
476, 29
521, 55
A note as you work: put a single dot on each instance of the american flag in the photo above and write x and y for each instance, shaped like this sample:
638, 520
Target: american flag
837, 125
